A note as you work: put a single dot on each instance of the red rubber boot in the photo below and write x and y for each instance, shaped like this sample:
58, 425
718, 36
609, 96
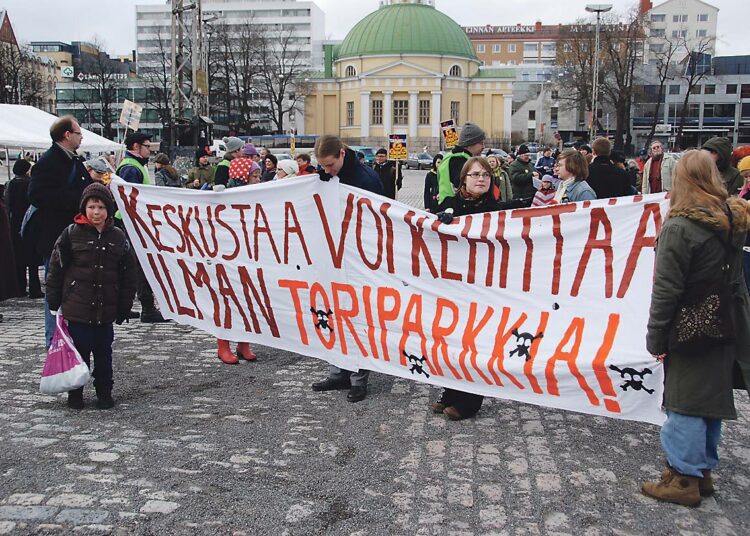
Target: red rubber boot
245, 352
225, 353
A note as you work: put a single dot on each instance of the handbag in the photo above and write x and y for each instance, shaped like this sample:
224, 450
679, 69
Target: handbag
705, 317
64, 369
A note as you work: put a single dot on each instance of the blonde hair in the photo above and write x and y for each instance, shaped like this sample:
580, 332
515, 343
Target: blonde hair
697, 184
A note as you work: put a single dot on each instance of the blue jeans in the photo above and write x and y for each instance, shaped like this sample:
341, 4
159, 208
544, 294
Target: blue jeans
49, 319
691, 443
95, 340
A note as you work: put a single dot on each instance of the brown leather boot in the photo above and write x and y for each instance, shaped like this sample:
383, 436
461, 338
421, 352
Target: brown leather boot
675, 488
225, 353
706, 484
245, 352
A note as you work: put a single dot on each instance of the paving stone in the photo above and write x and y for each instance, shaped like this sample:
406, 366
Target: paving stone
27, 512
80, 516
159, 507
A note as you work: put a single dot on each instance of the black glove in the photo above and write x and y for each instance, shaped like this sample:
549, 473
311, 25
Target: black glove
446, 216
122, 317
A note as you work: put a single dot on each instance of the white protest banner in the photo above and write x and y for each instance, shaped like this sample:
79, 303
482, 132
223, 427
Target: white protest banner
131, 114
542, 305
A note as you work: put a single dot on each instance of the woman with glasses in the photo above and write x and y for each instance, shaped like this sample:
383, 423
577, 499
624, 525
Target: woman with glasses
573, 168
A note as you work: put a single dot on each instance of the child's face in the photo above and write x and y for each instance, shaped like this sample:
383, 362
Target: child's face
746, 176
96, 212
546, 185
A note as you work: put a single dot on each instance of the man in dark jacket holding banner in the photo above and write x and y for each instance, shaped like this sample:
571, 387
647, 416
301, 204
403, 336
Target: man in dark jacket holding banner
57, 182
337, 160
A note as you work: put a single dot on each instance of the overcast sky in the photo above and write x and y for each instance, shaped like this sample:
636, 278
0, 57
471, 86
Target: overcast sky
113, 21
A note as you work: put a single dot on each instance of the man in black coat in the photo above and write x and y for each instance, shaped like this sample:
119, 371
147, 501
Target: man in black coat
606, 179
57, 182
337, 160
390, 174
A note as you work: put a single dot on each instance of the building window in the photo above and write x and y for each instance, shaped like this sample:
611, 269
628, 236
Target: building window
701, 33
496, 48
511, 47
679, 18
731, 89
549, 47
679, 33
377, 112
555, 95
480, 49
745, 92
424, 112
531, 134
350, 113
455, 111
674, 89
532, 115
709, 89
455, 71
656, 47
530, 47
400, 112
658, 18
567, 47
553, 115
703, 17
658, 32
351, 71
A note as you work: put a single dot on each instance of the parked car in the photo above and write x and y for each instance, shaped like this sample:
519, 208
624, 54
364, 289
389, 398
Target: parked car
496, 151
282, 156
369, 153
418, 161
218, 148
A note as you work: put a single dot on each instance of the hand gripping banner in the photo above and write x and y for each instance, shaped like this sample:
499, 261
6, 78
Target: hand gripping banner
542, 305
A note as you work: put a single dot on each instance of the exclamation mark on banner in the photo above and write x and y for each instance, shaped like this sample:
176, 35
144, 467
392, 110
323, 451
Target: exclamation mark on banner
605, 383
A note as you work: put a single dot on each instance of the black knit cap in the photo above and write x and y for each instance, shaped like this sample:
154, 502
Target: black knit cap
21, 167
98, 191
136, 137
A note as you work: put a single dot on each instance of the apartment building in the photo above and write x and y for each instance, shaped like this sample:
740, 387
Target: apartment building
513, 45
690, 23
303, 18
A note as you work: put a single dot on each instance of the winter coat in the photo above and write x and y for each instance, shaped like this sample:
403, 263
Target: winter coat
733, 181
130, 173
667, 170
521, 174
167, 176
501, 185
387, 173
355, 173
268, 175
17, 202
221, 174
607, 180
55, 195
449, 172
431, 191
486, 203
688, 254
204, 175
8, 277
91, 276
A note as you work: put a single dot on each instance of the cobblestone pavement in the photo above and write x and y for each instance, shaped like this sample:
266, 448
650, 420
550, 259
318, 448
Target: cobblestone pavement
198, 447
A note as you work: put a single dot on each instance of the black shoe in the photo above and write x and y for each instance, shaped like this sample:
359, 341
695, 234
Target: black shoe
329, 384
104, 399
75, 398
133, 315
357, 393
36, 295
152, 316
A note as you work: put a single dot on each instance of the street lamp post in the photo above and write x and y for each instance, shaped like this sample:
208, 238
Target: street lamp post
598, 9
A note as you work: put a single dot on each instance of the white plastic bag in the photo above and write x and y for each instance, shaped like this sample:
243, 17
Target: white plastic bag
64, 369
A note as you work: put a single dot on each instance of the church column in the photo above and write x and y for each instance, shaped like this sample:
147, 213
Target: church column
364, 117
436, 106
387, 112
413, 113
507, 116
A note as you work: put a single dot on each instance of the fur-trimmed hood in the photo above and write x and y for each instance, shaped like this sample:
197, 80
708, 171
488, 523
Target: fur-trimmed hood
740, 215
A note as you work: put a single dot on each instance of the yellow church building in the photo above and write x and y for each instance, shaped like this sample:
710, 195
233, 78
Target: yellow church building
402, 70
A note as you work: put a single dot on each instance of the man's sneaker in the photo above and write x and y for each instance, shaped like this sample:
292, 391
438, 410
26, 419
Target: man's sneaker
330, 384
152, 316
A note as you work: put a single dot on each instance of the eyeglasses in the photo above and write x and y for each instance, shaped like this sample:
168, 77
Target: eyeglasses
76, 132
483, 175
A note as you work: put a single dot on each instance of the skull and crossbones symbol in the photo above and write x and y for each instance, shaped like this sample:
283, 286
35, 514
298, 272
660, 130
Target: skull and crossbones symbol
323, 321
636, 385
417, 364
523, 343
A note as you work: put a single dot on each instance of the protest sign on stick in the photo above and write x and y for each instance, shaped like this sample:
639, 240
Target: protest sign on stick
544, 305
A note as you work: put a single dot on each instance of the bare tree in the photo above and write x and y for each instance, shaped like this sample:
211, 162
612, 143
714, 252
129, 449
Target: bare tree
664, 54
156, 74
20, 81
103, 78
696, 67
575, 53
283, 64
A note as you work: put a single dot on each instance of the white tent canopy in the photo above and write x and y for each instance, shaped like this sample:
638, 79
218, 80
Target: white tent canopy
26, 127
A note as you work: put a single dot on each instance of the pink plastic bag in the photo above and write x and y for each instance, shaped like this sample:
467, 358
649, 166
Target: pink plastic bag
64, 369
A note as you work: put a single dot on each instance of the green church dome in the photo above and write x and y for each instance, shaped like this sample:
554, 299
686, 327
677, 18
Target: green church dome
406, 29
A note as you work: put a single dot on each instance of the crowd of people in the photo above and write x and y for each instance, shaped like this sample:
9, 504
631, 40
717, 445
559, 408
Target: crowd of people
59, 214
